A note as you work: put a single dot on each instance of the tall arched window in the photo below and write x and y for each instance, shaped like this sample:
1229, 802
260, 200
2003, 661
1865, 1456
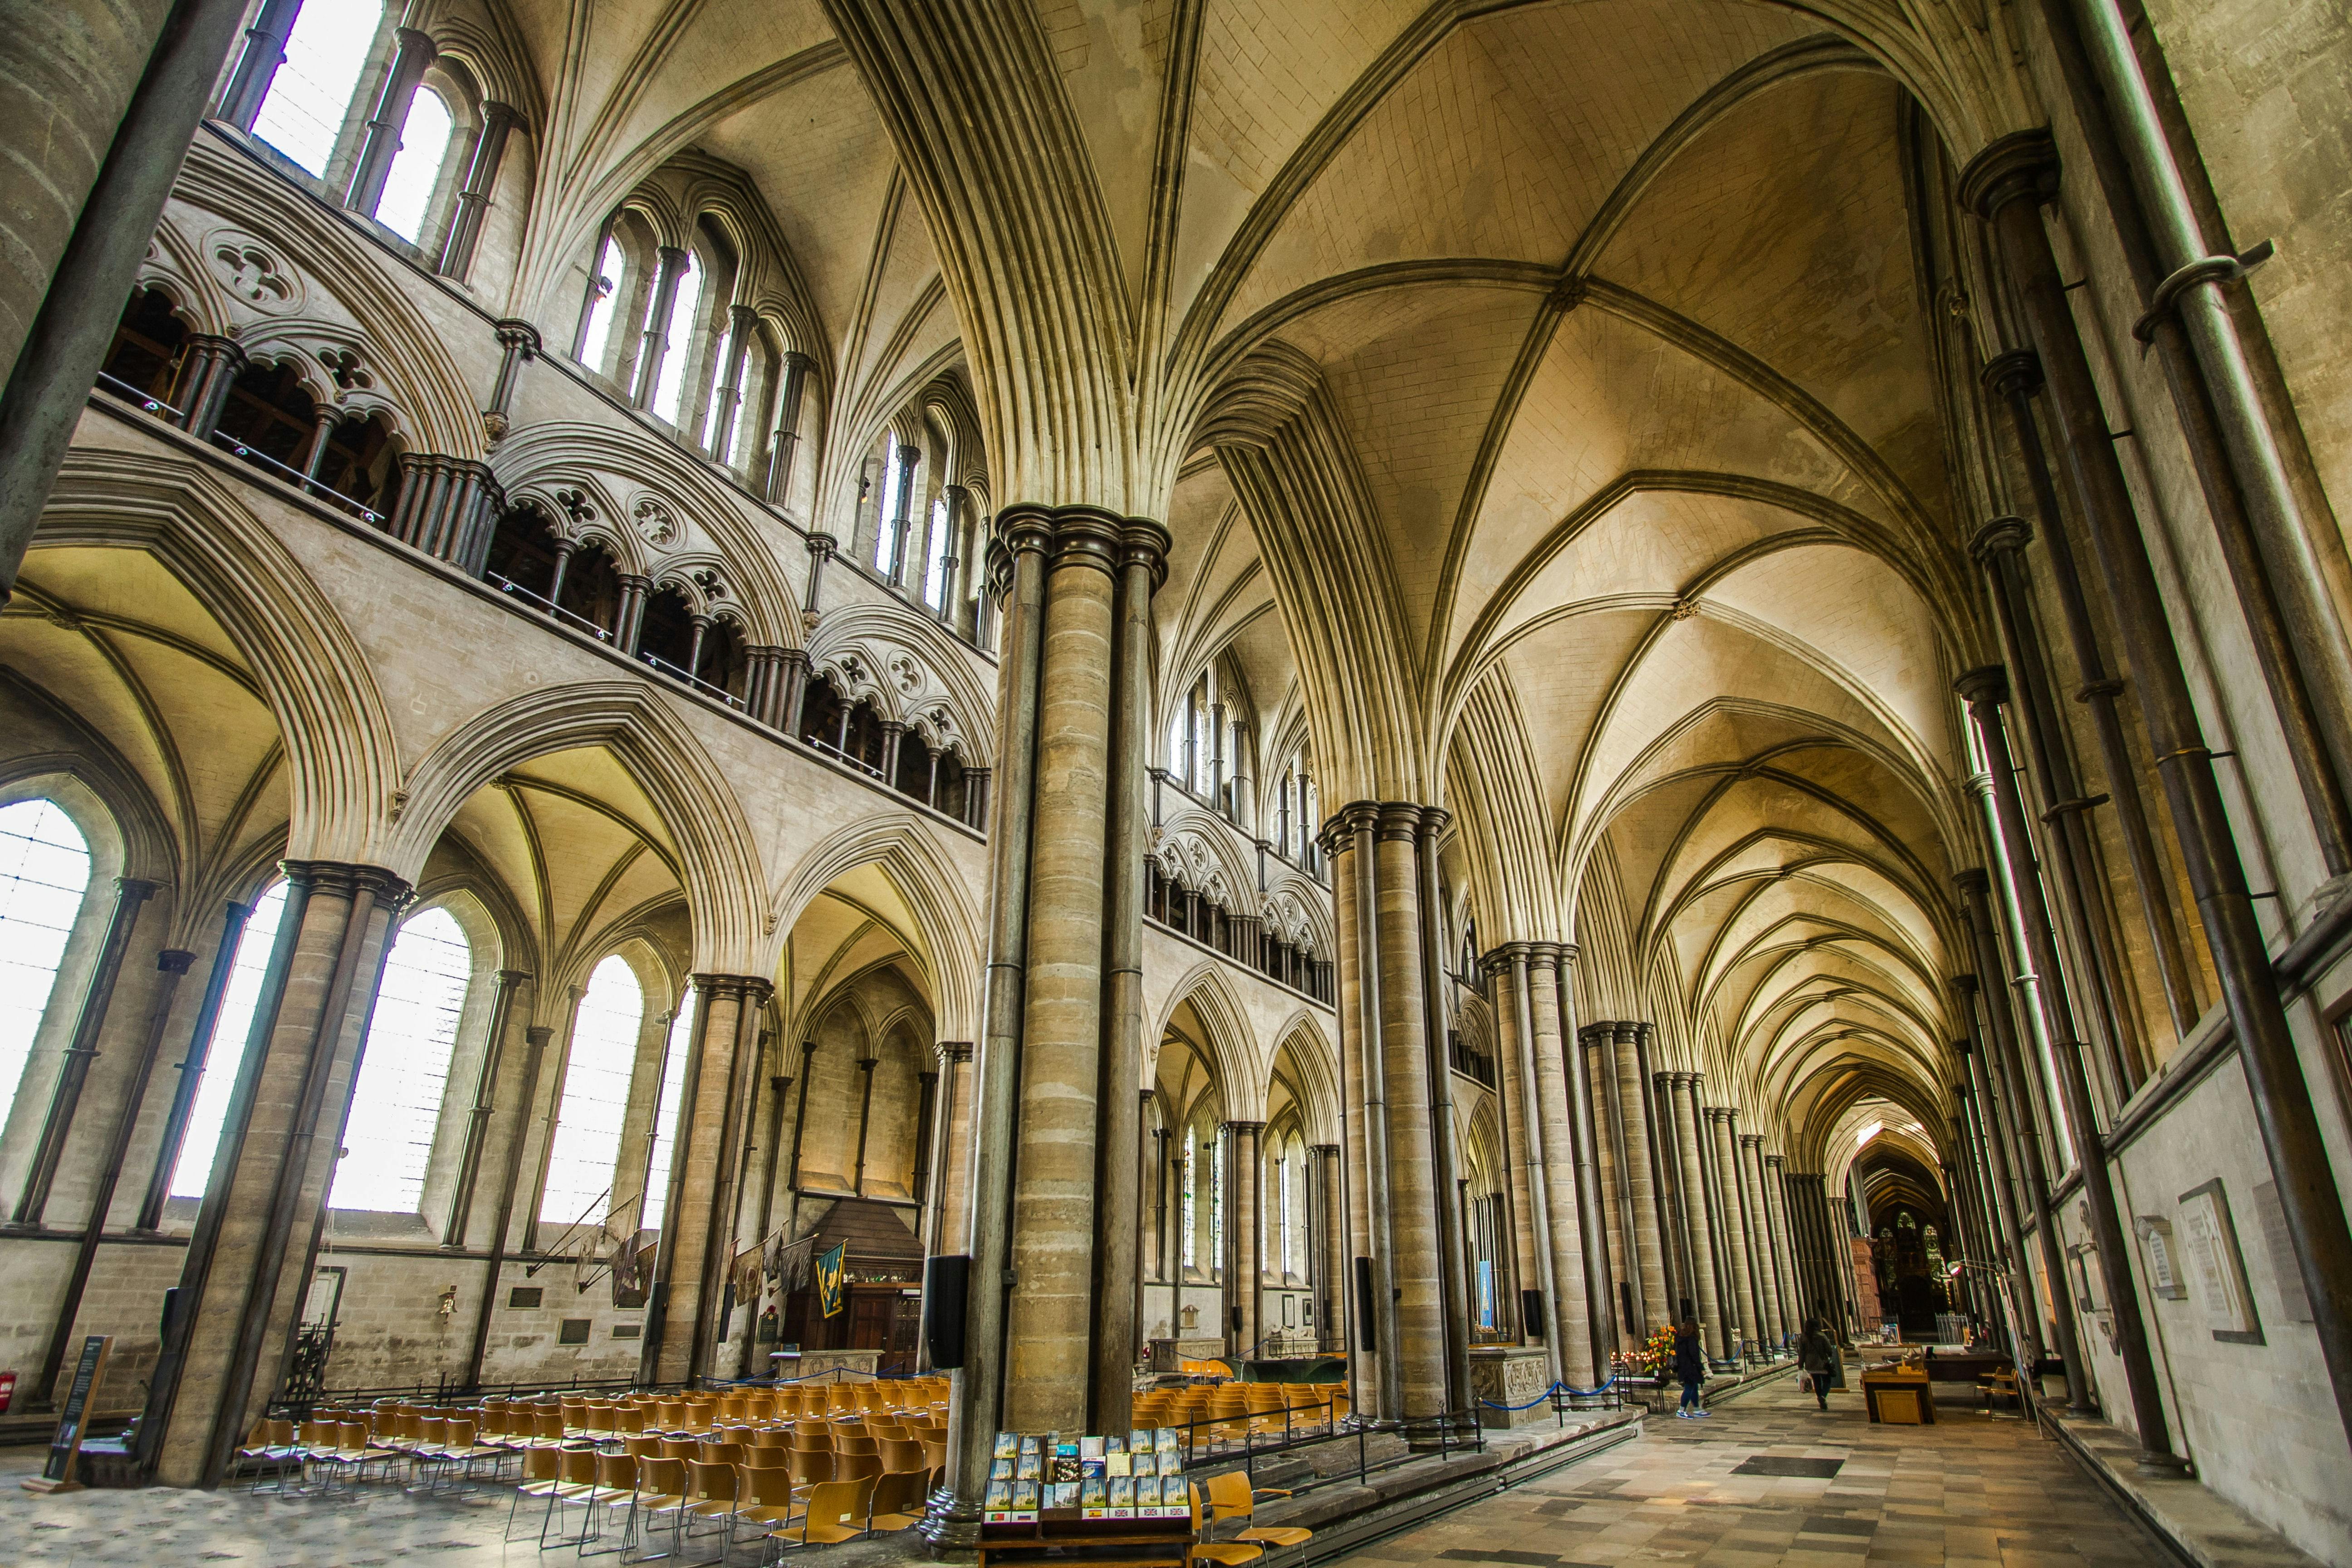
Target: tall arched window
44, 871
311, 94
225, 1052
886, 514
677, 341
598, 333
405, 1068
935, 570
1185, 1206
424, 148
587, 1145
666, 1115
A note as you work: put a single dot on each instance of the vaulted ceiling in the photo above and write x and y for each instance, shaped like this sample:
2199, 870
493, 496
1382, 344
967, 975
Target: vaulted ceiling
1553, 404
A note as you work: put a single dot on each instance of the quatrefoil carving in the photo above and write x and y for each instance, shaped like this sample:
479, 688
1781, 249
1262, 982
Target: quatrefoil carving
248, 273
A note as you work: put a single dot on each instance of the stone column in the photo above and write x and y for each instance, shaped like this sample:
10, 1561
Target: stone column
1985, 689
951, 564
171, 964
244, 1275
683, 1327
1735, 1223
786, 439
1139, 568
1758, 1228
499, 121
1645, 1249
901, 524
1601, 1306
192, 1066
1784, 1245
2008, 1214
629, 616
526, 1102
1243, 1241
653, 341
1331, 1253
1583, 1358
477, 1120
130, 895
1414, 1196
1373, 1358
1445, 1163
2006, 185
209, 366
415, 52
1510, 964
63, 78
2014, 377
742, 321
1695, 1215
1513, 1089
257, 63
2007, 1065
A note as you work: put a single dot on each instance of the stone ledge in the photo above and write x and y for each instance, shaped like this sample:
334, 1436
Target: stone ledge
2196, 1524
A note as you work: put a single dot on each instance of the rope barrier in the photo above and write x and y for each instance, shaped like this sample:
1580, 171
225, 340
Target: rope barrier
1572, 1392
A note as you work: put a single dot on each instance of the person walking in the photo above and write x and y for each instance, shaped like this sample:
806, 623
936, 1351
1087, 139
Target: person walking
1690, 1370
1818, 1355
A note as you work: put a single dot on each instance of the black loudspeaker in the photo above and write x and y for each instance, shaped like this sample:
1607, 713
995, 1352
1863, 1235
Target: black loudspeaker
1237, 1319
1532, 1322
1364, 1337
946, 1278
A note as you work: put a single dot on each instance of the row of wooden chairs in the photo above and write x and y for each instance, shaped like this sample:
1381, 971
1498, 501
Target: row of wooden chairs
1234, 1413
656, 1492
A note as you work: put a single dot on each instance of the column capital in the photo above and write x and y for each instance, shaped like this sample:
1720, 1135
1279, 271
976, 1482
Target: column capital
1776, 1159
2021, 164
795, 359
175, 960
954, 1050
512, 977
2000, 536
1972, 882
2017, 373
1434, 820
1242, 1126
673, 259
517, 334
1145, 543
821, 546
631, 580
1966, 984
1986, 684
739, 318
1397, 819
1625, 1029
1327, 1150
350, 881
1751, 1140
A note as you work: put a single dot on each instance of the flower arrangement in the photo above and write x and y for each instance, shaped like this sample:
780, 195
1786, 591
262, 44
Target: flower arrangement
1657, 1357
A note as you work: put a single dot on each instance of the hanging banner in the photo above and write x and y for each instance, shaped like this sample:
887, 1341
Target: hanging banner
832, 1274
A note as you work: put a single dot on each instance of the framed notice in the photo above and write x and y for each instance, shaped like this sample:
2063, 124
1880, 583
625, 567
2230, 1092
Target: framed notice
2209, 1245
2163, 1267
73, 1419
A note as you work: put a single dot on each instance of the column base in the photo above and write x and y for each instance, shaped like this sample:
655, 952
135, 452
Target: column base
947, 1531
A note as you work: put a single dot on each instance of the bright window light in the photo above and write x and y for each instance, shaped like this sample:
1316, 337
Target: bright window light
44, 871
669, 387
235, 1021
716, 414
673, 1085
311, 96
599, 314
1863, 1135
423, 147
934, 570
886, 529
405, 1068
595, 1097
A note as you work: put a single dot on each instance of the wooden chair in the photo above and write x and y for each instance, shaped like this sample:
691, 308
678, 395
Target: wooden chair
836, 1511
899, 1500
542, 1472
710, 1493
902, 1454
856, 1467
269, 1443
660, 1495
719, 1453
935, 1452
764, 1499
616, 1483
809, 1466
1230, 1496
1230, 1553
575, 1481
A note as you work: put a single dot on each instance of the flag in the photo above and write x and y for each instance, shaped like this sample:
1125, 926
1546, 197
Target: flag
832, 1274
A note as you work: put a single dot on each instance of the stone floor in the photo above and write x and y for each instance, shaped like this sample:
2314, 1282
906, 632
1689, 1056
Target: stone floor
1768, 1480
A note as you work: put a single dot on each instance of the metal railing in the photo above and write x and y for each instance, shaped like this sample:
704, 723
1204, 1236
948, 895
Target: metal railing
1452, 1432
674, 673
546, 605
245, 453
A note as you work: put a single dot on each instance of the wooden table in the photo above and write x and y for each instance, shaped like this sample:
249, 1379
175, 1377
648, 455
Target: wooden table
1138, 1542
1907, 1384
